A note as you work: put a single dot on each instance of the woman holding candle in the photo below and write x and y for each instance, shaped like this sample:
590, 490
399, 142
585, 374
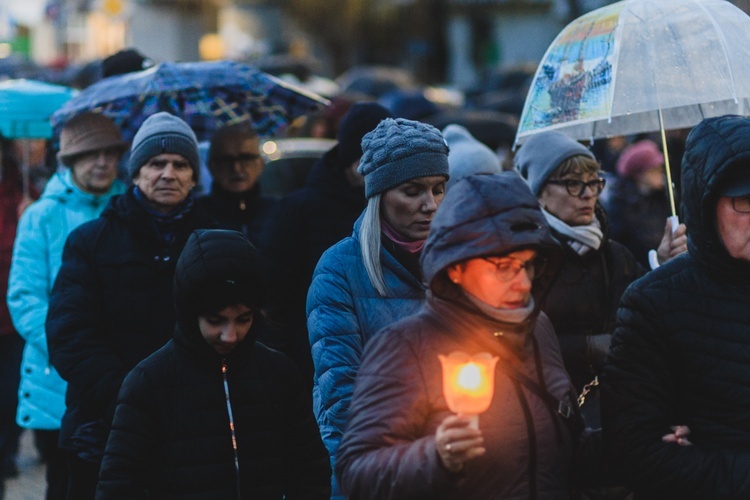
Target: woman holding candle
372, 278
487, 262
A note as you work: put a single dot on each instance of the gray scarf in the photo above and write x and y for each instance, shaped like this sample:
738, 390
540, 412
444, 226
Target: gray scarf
504, 315
582, 238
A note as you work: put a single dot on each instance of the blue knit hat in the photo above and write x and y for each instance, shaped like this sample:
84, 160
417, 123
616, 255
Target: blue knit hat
399, 150
542, 153
163, 133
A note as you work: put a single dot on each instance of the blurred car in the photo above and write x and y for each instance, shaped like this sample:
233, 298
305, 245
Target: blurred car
288, 161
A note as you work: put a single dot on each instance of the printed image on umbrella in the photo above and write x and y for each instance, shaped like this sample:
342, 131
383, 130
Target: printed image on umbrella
207, 95
612, 71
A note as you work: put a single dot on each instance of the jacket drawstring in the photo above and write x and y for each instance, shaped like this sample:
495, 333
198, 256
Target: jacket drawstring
231, 426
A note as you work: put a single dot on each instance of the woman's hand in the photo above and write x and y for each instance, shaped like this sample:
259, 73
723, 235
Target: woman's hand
679, 435
672, 243
457, 442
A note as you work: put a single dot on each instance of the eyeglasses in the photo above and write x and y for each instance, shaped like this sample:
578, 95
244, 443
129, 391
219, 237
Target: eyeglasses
741, 204
228, 161
577, 187
507, 268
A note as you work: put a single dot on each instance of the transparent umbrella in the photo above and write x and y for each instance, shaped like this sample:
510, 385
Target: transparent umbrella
642, 66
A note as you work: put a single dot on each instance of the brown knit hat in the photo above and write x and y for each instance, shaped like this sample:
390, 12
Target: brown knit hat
88, 132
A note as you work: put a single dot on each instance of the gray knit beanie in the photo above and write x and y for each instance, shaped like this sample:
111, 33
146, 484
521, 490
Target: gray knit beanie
468, 156
164, 133
398, 150
542, 153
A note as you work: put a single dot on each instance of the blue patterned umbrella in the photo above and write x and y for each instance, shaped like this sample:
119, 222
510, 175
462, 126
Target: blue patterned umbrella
207, 95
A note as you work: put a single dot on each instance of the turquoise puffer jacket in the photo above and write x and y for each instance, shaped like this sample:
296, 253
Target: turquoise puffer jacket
344, 311
37, 256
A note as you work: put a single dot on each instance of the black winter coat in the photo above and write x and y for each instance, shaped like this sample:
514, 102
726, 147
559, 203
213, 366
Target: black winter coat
636, 219
194, 424
297, 231
583, 300
171, 434
681, 350
244, 212
111, 306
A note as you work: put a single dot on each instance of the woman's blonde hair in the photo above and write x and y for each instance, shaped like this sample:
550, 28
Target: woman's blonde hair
369, 241
577, 165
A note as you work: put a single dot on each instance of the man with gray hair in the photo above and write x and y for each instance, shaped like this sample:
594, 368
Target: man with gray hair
111, 305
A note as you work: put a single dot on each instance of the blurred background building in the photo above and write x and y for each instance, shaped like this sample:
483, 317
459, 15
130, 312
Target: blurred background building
458, 42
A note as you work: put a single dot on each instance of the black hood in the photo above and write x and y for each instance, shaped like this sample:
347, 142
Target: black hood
217, 268
715, 149
483, 215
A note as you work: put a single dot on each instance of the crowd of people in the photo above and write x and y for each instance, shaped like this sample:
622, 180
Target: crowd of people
164, 344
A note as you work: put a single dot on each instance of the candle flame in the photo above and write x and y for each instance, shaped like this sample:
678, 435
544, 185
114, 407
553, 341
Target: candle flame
470, 377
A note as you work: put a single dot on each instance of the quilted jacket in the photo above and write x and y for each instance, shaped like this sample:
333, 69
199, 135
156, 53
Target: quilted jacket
344, 312
37, 256
681, 348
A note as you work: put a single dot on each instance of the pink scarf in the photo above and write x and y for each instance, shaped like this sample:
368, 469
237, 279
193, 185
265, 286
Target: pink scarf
409, 246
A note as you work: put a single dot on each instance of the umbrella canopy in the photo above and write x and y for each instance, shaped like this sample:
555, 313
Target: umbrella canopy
26, 107
207, 95
641, 66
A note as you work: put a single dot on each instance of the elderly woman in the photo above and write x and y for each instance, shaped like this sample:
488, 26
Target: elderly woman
485, 264
372, 278
214, 414
583, 299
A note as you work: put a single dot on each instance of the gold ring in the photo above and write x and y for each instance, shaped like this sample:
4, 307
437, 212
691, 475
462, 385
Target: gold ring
449, 448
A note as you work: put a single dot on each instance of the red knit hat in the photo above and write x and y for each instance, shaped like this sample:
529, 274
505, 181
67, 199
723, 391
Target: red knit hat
639, 157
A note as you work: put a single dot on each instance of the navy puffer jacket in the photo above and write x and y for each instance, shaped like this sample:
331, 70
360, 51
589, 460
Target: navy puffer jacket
681, 349
344, 312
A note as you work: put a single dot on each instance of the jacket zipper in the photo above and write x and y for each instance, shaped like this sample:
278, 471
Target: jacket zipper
231, 425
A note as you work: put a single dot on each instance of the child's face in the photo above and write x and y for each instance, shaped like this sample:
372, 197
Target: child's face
227, 328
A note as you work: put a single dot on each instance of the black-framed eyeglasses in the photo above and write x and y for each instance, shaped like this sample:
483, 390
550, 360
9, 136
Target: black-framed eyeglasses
228, 161
741, 204
576, 187
507, 268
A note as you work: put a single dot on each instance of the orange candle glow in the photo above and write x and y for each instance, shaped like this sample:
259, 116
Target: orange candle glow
468, 382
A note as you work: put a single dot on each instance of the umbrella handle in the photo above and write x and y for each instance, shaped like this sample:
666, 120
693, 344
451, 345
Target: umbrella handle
675, 220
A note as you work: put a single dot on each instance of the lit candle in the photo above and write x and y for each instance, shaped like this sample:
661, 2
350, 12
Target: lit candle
468, 383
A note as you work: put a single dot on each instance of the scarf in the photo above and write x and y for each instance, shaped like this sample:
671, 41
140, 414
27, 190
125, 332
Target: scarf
408, 246
504, 315
581, 238
164, 223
